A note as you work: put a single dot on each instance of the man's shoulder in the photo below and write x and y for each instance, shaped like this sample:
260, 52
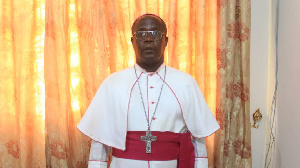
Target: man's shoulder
119, 77
179, 75
122, 73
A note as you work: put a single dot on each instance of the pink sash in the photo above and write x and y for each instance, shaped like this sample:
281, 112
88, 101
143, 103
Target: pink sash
168, 146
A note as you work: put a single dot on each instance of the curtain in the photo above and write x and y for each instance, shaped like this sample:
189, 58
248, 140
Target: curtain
233, 141
22, 136
56, 53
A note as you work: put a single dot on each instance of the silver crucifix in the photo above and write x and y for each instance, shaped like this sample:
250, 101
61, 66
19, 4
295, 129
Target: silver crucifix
148, 138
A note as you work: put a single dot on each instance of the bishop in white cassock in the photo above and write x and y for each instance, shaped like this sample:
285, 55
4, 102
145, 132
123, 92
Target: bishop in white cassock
148, 98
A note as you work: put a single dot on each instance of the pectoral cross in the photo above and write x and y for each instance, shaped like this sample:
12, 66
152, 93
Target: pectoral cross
148, 138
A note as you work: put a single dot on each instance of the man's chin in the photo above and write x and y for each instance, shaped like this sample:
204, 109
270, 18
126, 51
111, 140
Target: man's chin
150, 62
150, 59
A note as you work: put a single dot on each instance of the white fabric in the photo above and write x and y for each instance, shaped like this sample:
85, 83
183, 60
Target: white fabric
98, 155
117, 108
97, 164
168, 115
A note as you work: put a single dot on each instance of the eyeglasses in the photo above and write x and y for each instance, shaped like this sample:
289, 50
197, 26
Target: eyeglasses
142, 35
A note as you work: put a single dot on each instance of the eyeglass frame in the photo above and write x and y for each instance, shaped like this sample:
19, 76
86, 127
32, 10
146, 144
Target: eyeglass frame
162, 34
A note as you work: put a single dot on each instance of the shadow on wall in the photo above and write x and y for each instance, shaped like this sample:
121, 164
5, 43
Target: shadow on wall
277, 162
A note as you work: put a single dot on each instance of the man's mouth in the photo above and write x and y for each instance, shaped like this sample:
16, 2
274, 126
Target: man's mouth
148, 52
148, 48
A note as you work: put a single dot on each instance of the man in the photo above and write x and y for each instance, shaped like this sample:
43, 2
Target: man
150, 115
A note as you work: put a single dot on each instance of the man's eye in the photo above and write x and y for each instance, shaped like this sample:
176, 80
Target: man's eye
154, 33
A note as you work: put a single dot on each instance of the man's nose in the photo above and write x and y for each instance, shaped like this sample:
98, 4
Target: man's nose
149, 38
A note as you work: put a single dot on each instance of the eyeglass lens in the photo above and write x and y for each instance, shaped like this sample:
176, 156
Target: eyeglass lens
141, 35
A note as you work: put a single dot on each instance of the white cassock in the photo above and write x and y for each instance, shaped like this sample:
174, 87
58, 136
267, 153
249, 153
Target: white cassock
117, 108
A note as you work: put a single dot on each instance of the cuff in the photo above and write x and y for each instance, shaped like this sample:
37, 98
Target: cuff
201, 162
97, 164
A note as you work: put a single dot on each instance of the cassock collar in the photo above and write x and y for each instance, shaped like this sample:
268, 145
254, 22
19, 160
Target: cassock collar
159, 71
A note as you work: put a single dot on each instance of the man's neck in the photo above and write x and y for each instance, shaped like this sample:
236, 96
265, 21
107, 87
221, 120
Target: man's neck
150, 68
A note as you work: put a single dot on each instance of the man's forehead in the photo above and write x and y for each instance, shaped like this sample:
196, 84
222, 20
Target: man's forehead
148, 22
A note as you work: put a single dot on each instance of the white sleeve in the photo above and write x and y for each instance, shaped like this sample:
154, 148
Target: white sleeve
201, 160
98, 155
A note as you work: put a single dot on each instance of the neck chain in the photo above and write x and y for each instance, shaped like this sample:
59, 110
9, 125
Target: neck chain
149, 123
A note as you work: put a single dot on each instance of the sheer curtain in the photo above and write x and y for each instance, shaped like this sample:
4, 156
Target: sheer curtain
22, 136
56, 53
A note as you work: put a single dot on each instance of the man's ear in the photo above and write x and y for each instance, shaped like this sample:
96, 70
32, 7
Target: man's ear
166, 41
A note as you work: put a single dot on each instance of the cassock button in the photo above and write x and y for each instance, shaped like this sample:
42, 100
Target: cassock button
151, 87
151, 74
152, 102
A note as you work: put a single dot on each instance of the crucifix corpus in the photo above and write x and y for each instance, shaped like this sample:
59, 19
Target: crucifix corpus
148, 138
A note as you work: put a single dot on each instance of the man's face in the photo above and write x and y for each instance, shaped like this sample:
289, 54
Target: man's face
149, 51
